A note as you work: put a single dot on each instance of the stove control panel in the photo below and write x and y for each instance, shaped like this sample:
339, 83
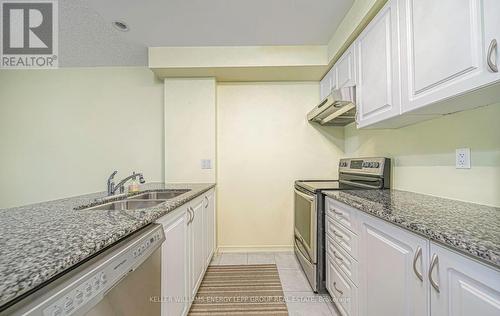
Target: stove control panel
363, 165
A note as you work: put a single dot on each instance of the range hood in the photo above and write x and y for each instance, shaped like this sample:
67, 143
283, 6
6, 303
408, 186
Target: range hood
338, 109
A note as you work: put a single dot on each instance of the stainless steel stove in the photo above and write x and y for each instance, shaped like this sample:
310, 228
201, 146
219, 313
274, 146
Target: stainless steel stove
309, 213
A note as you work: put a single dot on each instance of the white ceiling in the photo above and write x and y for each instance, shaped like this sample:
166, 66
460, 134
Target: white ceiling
87, 37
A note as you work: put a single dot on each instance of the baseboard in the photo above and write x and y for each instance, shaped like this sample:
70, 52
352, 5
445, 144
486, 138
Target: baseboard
277, 248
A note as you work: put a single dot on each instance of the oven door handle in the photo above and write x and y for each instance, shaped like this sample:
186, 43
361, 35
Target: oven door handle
362, 185
305, 196
308, 257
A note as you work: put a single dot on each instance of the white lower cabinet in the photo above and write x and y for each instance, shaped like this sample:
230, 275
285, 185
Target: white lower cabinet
196, 234
342, 289
392, 266
174, 265
209, 225
462, 286
187, 250
392, 270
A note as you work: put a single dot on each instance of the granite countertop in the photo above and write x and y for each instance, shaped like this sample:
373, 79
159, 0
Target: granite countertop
39, 241
472, 229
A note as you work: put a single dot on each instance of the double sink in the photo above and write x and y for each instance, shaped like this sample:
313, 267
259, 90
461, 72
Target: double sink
142, 200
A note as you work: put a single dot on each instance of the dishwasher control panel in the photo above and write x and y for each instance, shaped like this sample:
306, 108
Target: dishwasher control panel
77, 291
93, 286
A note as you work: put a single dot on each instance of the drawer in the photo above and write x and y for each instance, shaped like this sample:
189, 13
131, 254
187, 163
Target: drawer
342, 236
342, 290
344, 261
344, 214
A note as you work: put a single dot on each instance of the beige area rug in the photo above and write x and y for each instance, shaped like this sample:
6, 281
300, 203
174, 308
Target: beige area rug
240, 290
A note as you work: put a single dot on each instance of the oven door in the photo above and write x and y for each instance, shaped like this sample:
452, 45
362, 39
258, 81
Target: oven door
305, 222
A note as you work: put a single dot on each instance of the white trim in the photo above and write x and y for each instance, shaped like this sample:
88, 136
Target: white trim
277, 248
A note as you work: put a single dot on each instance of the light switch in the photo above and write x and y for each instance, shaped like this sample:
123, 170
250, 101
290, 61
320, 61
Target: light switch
206, 164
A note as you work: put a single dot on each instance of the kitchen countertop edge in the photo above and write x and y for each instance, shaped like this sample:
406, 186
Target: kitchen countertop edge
474, 248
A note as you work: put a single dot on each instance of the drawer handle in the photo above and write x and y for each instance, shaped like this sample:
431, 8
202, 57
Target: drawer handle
336, 212
335, 287
337, 257
491, 64
434, 261
339, 236
418, 253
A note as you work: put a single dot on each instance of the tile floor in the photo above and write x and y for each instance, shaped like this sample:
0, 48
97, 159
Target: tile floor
301, 301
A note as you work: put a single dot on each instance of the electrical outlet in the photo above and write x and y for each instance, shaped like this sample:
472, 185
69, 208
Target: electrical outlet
206, 164
462, 159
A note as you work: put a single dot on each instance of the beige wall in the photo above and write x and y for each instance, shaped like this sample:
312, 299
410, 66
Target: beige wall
189, 129
62, 132
264, 144
424, 154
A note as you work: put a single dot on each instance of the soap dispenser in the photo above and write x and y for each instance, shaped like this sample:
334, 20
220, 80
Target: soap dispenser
133, 186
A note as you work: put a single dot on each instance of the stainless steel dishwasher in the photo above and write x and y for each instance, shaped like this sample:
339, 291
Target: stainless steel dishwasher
124, 279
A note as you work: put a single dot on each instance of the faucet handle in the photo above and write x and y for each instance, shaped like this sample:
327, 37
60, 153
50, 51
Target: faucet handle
112, 175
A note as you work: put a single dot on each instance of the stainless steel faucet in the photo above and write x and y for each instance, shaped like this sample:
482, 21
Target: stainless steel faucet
121, 185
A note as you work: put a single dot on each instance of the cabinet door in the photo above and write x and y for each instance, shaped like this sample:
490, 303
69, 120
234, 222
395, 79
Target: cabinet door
324, 87
341, 289
328, 83
443, 50
209, 225
466, 287
377, 64
391, 263
345, 69
197, 245
491, 14
174, 267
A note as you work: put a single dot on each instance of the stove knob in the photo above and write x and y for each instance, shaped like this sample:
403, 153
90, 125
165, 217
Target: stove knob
376, 164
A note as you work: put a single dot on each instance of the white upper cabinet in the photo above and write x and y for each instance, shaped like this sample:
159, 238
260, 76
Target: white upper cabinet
444, 50
377, 63
345, 69
462, 286
328, 83
491, 13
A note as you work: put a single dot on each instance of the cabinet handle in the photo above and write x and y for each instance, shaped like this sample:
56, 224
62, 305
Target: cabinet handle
191, 214
337, 257
338, 235
206, 198
418, 253
434, 261
491, 64
336, 212
335, 287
